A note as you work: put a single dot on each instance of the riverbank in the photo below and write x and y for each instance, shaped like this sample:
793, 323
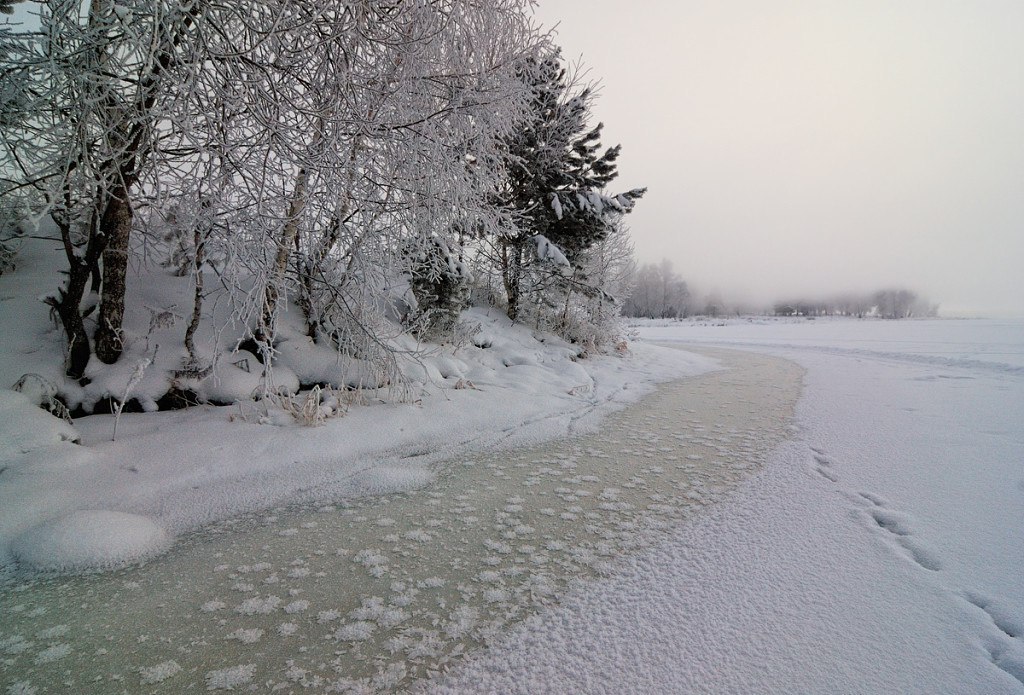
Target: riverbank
378, 592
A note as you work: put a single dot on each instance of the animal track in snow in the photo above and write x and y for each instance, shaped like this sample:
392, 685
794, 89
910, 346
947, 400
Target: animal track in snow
1007, 624
1005, 648
893, 522
873, 499
1003, 645
823, 465
826, 473
898, 526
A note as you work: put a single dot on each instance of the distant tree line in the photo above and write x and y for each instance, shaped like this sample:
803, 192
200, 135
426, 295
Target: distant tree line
893, 303
659, 292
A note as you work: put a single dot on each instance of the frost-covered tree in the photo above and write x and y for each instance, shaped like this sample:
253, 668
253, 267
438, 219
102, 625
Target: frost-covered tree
290, 148
386, 124
901, 303
594, 292
557, 176
82, 130
659, 292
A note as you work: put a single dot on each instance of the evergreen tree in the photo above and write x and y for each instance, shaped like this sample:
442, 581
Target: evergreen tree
557, 175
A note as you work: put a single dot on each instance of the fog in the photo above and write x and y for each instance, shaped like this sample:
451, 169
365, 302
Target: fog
817, 147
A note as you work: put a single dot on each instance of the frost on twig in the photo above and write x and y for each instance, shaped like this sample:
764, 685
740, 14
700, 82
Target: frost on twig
133, 381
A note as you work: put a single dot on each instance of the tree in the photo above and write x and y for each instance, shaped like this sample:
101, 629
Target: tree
659, 292
86, 133
316, 138
902, 303
556, 177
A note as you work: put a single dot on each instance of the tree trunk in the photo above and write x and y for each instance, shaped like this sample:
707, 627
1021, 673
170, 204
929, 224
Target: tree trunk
272, 293
71, 319
116, 227
511, 272
199, 240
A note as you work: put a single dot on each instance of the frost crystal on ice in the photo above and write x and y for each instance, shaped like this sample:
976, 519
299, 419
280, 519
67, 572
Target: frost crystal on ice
159, 673
258, 606
228, 678
354, 632
50, 654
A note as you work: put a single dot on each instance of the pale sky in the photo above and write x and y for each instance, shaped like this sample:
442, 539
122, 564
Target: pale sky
817, 147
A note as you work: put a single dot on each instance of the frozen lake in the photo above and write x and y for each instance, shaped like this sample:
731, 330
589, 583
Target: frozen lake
839, 509
878, 551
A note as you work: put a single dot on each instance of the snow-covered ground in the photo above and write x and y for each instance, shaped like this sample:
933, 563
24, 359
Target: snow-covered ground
371, 594
879, 551
66, 505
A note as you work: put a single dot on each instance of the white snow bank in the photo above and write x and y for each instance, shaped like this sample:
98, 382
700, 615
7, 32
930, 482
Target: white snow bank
176, 471
89, 539
27, 427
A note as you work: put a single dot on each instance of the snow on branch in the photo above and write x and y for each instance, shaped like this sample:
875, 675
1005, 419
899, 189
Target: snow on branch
547, 252
556, 205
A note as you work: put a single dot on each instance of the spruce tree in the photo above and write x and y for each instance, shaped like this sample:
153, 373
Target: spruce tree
557, 176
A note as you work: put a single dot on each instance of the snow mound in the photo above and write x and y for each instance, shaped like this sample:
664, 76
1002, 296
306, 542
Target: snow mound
89, 539
26, 426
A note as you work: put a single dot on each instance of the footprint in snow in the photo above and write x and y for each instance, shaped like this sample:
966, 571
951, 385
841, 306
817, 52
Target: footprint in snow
1008, 624
898, 526
1005, 648
823, 465
873, 499
826, 473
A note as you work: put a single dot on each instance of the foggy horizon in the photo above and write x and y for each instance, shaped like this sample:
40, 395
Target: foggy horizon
808, 149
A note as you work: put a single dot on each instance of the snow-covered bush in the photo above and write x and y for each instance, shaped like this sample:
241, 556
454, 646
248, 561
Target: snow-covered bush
439, 279
7, 256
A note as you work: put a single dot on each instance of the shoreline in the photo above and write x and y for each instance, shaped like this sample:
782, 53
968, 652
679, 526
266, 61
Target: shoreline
443, 569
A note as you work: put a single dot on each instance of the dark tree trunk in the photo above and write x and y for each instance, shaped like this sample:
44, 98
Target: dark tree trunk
67, 304
197, 297
511, 275
116, 227
67, 308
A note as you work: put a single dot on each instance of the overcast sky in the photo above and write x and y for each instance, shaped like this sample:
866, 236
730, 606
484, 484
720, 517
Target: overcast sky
812, 147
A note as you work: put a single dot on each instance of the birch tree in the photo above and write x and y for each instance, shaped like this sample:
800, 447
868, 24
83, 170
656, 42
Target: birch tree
311, 146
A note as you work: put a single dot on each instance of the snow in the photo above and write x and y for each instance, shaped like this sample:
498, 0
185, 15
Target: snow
548, 252
28, 428
556, 206
88, 539
878, 551
176, 471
